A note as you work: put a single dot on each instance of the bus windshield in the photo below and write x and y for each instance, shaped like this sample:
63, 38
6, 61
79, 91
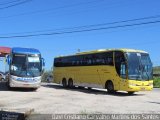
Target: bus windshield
139, 66
26, 65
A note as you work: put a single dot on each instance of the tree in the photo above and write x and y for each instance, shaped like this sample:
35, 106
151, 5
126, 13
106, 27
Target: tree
47, 74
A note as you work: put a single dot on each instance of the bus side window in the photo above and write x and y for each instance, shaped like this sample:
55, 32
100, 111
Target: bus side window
73, 63
109, 58
84, 60
56, 62
100, 59
89, 60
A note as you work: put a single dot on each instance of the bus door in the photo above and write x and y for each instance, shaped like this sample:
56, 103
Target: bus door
120, 66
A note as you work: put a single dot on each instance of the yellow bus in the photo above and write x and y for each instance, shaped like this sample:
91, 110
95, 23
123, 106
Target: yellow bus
112, 69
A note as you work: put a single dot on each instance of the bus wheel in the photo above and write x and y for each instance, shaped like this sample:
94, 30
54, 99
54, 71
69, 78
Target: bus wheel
89, 88
81, 87
130, 93
8, 85
34, 89
64, 83
110, 87
2, 79
70, 83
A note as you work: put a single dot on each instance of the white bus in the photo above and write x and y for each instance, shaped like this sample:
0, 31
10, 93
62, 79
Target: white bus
25, 68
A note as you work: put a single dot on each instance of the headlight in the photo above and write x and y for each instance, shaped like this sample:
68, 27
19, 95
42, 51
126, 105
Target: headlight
13, 78
150, 84
37, 80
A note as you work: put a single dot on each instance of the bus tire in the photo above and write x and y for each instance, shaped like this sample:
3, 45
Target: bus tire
64, 83
110, 87
89, 88
2, 79
130, 93
34, 89
70, 83
8, 86
81, 87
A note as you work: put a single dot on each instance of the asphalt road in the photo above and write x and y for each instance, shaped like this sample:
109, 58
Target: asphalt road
51, 98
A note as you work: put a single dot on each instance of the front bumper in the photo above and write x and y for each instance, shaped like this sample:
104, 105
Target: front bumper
135, 86
24, 84
139, 88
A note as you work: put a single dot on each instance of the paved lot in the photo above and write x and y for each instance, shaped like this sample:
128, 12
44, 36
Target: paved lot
51, 98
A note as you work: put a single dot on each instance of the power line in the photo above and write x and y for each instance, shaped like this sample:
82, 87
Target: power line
57, 8
6, 3
16, 4
85, 30
52, 9
93, 25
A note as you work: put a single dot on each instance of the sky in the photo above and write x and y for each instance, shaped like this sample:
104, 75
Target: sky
51, 15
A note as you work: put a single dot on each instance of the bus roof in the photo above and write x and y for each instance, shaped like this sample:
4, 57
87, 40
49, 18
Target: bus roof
25, 50
107, 50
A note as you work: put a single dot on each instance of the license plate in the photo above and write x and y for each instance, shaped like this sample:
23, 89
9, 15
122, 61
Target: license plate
143, 89
26, 84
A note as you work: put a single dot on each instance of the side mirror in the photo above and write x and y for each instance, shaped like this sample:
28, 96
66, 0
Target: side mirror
8, 59
43, 64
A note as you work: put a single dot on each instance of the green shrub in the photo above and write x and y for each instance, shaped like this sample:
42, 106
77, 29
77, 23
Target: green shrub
156, 82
